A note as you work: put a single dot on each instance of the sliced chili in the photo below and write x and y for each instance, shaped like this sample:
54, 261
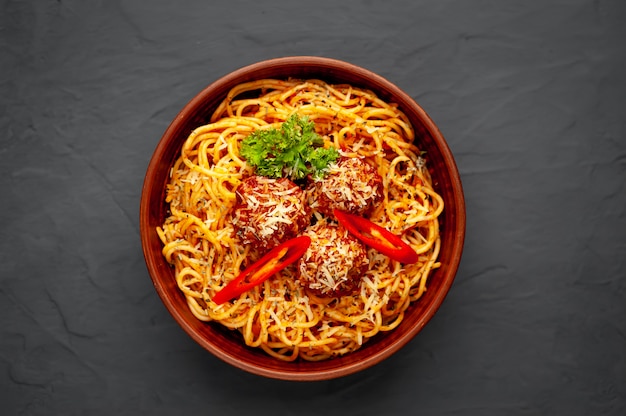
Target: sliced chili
377, 237
274, 261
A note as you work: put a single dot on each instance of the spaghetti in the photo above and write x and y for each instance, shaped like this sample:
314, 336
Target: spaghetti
281, 316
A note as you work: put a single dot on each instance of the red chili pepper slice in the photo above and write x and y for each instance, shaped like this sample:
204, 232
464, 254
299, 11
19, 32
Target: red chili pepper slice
377, 237
274, 261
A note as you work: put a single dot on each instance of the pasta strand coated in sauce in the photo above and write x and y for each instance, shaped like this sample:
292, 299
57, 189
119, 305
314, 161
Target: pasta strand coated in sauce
280, 315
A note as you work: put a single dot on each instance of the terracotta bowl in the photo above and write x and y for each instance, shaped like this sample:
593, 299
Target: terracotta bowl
226, 344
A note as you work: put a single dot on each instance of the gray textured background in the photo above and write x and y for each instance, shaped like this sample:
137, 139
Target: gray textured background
530, 95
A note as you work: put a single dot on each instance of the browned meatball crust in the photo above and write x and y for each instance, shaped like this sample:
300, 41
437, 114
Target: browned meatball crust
269, 211
350, 184
334, 262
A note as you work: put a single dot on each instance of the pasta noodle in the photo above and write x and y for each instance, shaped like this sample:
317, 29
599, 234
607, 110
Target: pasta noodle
279, 315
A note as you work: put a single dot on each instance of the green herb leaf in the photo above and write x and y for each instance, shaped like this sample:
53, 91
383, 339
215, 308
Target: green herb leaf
294, 151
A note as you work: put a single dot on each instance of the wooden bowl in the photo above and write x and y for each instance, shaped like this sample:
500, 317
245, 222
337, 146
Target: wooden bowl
228, 345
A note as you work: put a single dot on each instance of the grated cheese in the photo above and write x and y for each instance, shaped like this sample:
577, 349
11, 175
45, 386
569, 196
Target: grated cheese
333, 260
350, 185
269, 210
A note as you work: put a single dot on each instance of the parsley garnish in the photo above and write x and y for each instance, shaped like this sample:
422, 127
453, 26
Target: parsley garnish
294, 151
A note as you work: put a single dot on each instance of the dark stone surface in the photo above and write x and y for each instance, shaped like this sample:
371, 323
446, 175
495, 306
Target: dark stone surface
531, 97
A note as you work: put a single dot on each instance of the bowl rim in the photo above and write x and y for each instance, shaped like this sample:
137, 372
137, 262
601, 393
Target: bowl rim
219, 87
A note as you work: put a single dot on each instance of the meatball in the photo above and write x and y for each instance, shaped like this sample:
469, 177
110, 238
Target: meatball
350, 185
269, 211
334, 262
